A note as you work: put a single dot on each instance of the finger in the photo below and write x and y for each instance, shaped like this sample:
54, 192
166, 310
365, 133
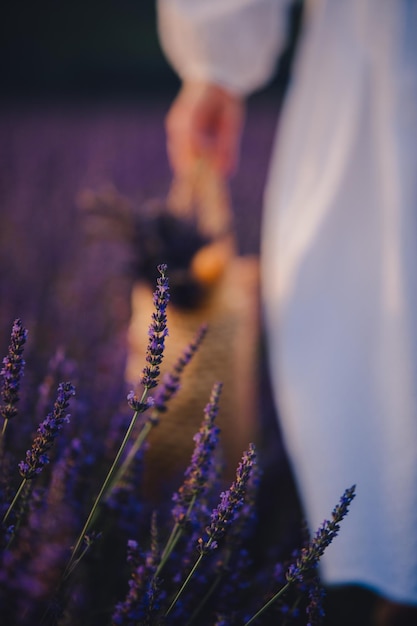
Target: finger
177, 133
228, 138
186, 137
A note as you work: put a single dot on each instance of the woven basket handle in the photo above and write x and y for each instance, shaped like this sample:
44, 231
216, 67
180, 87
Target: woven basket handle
203, 195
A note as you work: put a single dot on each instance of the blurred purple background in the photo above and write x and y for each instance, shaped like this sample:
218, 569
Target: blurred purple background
85, 88
53, 150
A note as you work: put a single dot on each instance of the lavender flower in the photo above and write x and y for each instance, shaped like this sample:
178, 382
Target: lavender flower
234, 579
171, 381
59, 367
315, 611
157, 331
234, 564
310, 555
36, 457
12, 370
198, 471
139, 405
231, 502
246, 521
142, 599
198, 478
222, 517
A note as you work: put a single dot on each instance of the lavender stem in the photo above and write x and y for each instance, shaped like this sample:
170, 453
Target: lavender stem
15, 499
130, 456
173, 539
268, 604
104, 486
185, 583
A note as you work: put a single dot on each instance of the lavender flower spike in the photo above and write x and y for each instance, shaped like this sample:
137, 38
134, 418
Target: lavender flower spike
197, 476
142, 599
198, 471
230, 505
36, 457
12, 371
231, 502
171, 381
157, 331
311, 554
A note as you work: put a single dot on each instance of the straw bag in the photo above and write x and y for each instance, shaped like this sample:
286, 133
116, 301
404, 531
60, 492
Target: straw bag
221, 289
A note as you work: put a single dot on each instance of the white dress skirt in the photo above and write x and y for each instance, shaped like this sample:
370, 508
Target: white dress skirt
339, 257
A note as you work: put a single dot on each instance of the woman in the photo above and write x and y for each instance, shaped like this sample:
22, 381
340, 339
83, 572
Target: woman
339, 251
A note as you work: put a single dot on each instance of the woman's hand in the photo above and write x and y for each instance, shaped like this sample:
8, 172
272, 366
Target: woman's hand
205, 121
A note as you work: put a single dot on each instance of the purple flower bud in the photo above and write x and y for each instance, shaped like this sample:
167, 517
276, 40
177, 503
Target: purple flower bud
157, 332
36, 458
171, 381
142, 599
231, 502
314, 610
198, 472
135, 403
12, 370
310, 555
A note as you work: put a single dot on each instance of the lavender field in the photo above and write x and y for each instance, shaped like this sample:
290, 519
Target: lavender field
70, 281
72, 290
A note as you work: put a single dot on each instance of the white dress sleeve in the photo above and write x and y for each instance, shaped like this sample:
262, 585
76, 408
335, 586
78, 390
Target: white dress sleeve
233, 43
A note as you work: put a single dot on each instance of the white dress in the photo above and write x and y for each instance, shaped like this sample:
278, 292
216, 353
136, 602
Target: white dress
339, 257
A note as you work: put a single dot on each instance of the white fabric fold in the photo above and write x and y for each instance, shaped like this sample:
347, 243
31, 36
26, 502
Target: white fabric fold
339, 257
233, 43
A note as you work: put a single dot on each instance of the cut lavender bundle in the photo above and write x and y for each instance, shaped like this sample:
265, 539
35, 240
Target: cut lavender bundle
36, 456
12, 372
